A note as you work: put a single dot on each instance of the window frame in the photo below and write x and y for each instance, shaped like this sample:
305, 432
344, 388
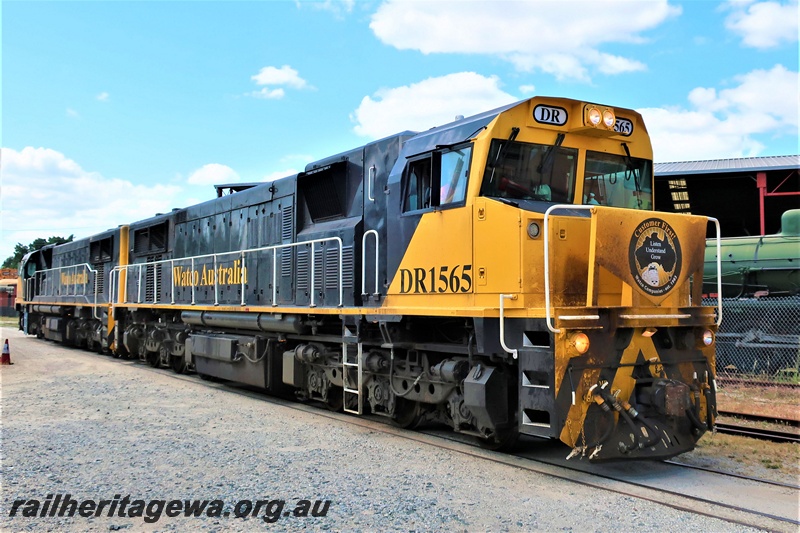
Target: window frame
434, 157
570, 153
601, 157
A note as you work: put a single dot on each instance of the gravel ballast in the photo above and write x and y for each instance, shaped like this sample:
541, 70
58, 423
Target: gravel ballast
96, 428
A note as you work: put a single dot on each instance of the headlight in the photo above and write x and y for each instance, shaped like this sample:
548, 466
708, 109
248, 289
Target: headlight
594, 116
533, 230
609, 119
580, 341
708, 337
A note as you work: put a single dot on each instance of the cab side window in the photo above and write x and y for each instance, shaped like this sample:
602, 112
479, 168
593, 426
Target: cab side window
419, 190
454, 173
436, 179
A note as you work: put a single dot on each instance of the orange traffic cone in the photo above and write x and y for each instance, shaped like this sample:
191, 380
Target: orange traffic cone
6, 357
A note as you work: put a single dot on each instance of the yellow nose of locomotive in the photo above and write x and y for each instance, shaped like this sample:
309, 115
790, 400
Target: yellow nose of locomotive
623, 326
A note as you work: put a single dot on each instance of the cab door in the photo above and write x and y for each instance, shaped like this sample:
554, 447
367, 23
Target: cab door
434, 230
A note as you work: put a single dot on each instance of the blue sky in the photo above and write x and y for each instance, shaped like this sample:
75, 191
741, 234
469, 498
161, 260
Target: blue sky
113, 111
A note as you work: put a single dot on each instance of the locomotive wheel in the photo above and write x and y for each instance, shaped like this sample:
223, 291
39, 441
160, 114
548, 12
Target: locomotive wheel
153, 359
407, 414
502, 441
335, 399
178, 364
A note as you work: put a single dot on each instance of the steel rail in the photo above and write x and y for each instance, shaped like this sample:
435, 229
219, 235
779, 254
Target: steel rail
761, 418
758, 433
730, 474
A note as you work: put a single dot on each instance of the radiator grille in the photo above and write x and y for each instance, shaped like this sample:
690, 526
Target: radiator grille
347, 267
320, 271
152, 277
287, 223
100, 277
303, 270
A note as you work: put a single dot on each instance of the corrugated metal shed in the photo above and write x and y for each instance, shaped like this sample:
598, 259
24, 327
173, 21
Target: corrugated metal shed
718, 166
747, 195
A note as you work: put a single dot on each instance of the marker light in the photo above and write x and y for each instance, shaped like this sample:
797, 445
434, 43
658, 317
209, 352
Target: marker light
533, 230
609, 119
580, 341
594, 116
708, 337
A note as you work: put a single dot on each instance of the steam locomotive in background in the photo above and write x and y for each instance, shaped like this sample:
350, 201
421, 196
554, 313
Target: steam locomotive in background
503, 275
761, 278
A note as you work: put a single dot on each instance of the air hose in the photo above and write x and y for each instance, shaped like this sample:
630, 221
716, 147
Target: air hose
653, 440
608, 414
608, 398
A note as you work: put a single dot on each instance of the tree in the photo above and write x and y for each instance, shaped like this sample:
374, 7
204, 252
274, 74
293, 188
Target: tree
20, 249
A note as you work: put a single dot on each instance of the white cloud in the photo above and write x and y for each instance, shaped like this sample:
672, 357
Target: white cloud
102, 97
429, 103
213, 174
45, 193
278, 174
285, 75
723, 123
527, 89
270, 77
337, 7
269, 94
561, 38
764, 24
71, 113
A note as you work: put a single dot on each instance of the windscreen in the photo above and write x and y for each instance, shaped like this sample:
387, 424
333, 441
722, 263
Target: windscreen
525, 171
617, 181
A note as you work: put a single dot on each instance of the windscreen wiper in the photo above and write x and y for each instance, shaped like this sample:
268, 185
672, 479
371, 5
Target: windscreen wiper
632, 170
493, 164
547, 158
514, 133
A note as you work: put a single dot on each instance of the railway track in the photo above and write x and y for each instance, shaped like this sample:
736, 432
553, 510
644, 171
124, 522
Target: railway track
761, 418
758, 433
672, 484
773, 434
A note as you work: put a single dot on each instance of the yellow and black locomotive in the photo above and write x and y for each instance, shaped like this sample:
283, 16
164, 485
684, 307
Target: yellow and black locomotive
503, 274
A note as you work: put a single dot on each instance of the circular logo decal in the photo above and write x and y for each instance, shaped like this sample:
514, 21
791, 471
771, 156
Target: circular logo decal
655, 257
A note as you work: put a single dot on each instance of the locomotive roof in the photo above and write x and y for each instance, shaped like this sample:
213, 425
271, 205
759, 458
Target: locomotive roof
453, 132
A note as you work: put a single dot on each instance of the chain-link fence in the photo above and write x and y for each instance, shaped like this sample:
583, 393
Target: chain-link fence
759, 339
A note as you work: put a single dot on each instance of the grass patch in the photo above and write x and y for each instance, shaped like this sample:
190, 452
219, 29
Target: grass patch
747, 456
9, 321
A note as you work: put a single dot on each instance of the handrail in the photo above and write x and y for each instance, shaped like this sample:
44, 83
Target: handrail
719, 270
47, 289
215, 257
513, 351
364, 262
548, 317
371, 173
